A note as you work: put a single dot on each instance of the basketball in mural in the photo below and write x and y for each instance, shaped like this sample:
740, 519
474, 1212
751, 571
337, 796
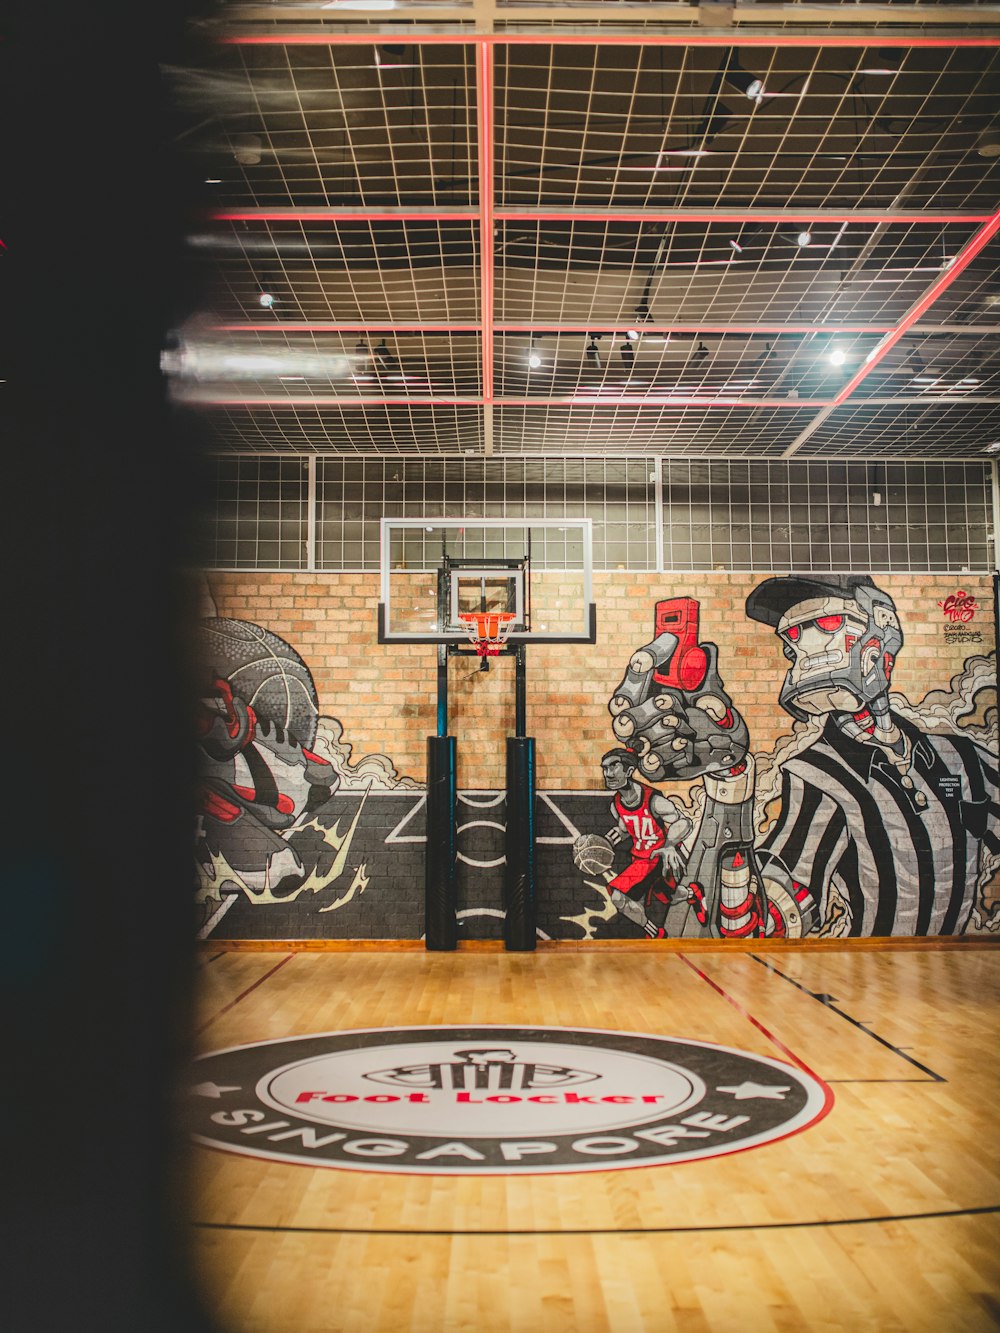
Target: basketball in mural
593, 854
263, 671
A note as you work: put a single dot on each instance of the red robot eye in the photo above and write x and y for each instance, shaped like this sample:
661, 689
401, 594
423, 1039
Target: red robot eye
830, 623
793, 632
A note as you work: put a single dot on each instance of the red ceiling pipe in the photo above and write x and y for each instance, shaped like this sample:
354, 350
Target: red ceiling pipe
484, 100
728, 216
505, 327
356, 326
884, 37
432, 400
940, 285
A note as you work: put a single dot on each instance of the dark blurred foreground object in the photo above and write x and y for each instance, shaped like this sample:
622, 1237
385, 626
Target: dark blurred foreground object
99, 479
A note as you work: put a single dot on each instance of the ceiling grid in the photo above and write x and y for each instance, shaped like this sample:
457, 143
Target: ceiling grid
585, 229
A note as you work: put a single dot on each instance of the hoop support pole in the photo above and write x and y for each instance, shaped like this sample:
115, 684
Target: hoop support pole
520, 690
519, 871
441, 861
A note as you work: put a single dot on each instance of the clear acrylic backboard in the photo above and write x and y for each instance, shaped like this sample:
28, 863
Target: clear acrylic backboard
435, 570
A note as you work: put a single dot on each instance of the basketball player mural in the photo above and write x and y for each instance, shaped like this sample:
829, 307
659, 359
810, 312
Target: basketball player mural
258, 777
673, 714
654, 826
880, 823
279, 800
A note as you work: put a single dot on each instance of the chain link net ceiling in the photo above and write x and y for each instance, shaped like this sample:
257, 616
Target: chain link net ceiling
750, 231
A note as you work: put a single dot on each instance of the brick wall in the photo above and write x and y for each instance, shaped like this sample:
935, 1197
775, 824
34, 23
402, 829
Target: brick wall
384, 696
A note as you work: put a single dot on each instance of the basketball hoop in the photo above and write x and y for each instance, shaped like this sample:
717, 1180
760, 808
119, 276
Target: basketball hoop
488, 630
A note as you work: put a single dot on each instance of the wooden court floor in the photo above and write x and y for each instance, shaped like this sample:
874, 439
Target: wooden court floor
884, 1215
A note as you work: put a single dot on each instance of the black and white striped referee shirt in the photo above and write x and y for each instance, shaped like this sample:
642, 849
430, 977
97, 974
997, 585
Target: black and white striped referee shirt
849, 818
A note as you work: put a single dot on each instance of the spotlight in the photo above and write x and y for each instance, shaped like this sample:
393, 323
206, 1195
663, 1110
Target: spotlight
593, 355
736, 247
247, 149
701, 351
837, 356
534, 358
359, 4
804, 238
267, 297
361, 349
886, 60
988, 142
632, 335
627, 353
749, 84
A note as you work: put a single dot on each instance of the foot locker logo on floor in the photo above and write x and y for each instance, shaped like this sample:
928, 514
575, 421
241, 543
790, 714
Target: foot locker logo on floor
495, 1100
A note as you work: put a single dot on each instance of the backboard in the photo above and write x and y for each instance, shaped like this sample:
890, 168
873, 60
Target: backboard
436, 569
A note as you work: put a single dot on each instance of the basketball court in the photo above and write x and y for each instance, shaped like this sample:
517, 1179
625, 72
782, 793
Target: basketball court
880, 1213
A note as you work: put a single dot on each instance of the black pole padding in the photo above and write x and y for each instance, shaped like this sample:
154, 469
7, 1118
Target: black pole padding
440, 865
519, 871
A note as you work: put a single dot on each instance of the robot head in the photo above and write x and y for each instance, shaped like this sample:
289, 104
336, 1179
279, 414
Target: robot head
841, 635
618, 767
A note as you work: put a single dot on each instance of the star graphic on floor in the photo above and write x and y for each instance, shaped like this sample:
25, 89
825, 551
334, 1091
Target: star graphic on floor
212, 1089
744, 1090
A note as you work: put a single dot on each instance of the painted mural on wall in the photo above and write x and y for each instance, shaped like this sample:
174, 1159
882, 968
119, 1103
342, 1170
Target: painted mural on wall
279, 803
870, 816
875, 819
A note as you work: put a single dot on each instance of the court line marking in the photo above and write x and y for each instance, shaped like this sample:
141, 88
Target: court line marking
801, 1064
259, 982
609, 1231
827, 1002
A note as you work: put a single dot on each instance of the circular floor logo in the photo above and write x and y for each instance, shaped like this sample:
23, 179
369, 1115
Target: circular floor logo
495, 1100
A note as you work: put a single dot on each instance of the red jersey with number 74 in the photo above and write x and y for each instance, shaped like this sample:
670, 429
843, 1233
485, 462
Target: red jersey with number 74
647, 833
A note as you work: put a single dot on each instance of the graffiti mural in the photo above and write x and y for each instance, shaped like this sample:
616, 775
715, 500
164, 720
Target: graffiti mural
278, 802
864, 813
874, 818
887, 825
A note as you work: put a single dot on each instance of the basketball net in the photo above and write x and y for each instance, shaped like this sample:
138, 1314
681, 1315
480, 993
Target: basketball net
488, 630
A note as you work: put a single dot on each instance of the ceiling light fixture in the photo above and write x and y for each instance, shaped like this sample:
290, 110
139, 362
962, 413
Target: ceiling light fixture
534, 358
988, 141
389, 57
837, 356
885, 61
266, 299
359, 4
750, 85
247, 149
593, 354
627, 352
701, 351
803, 239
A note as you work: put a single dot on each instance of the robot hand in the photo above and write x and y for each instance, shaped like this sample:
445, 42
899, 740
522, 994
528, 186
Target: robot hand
671, 709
